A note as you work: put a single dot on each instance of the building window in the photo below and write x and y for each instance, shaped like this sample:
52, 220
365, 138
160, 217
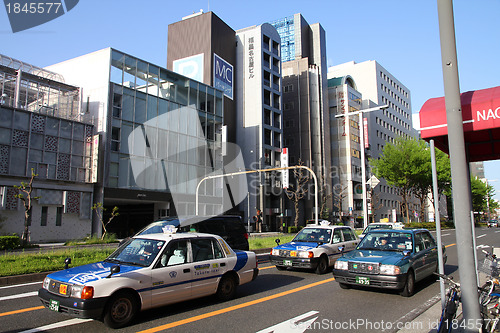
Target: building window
115, 139
59, 216
267, 117
43, 220
288, 106
117, 105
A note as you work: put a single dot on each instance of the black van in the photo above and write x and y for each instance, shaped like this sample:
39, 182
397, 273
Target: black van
229, 227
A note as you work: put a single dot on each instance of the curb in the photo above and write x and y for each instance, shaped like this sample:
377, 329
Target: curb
34, 277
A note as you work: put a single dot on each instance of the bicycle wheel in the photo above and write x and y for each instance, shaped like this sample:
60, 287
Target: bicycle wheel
449, 313
485, 292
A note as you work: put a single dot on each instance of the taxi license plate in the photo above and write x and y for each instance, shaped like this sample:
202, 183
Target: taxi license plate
287, 263
363, 280
54, 305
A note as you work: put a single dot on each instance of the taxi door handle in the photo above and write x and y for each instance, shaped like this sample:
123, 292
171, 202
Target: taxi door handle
222, 264
186, 270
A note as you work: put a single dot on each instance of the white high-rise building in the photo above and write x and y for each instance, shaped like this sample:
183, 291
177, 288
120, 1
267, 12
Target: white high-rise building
380, 87
259, 117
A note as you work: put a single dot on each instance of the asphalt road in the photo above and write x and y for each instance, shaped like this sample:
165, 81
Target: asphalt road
266, 305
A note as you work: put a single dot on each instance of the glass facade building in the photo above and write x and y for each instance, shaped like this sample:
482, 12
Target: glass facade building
286, 30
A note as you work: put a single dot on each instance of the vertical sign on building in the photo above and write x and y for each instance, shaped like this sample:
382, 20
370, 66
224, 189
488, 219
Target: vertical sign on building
251, 57
341, 109
284, 164
365, 132
223, 76
95, 157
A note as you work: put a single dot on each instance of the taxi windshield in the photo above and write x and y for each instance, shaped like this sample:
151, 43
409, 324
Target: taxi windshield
376, 226
137, 252
313, 235
387, 241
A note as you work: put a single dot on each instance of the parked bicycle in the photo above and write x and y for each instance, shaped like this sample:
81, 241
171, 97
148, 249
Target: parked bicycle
489, 300
453, 299
490, 267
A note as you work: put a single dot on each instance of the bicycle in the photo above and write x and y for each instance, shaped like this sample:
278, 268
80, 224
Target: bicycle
491, 268
490, 300
453, 299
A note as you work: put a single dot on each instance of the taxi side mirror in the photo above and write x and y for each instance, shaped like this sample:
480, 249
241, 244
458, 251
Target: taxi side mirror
114, 270
277, 240
67, 262
406, 253
341, 249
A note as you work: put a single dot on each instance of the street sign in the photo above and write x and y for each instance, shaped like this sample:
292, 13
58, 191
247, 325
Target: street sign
373, 181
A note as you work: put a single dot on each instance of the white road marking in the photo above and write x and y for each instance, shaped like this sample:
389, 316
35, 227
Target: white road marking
481, 236
482, 246
295, 325
21, 285
60, 324
33, 293
445, 235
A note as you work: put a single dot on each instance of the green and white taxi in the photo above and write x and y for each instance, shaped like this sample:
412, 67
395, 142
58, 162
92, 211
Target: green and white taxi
314, 247
146, 272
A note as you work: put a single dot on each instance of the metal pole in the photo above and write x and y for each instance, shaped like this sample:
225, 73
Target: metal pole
363, 168
261, 171
437, 219
459, 175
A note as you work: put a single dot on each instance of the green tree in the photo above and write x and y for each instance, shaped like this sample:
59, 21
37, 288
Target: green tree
422, 174
396, 165
406, 164
482, 197
99, 209
25, 193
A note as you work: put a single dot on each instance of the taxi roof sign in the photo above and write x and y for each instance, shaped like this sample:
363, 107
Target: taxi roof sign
169, 229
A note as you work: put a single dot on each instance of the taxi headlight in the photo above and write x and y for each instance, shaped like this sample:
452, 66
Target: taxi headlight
342, 265
305, 254
46, 283
83, 292
275, 252
390, 270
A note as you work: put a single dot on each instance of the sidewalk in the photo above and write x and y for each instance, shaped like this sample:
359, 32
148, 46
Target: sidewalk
428, 321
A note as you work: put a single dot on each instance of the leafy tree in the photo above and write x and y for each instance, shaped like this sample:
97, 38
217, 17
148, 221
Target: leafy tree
25, 193
422, 174
406, 164
99, 209
396, 166
482, 196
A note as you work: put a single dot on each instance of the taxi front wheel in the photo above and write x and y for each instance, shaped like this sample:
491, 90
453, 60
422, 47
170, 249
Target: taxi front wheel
322, 265
120, 310
227, 288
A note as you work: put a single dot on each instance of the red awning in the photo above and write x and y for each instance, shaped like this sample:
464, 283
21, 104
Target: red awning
481, 121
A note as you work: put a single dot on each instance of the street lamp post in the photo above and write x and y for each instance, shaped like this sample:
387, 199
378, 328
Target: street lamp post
362, 143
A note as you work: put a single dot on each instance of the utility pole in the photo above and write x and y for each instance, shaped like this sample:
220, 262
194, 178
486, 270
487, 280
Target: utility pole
459, 171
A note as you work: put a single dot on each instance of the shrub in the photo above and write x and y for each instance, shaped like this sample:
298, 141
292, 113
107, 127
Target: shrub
9, 242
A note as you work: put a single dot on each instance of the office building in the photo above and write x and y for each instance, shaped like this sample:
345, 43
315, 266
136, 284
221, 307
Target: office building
380, 87
305, 102
246, 63
259, 118
159, 134
44, 129
346, 150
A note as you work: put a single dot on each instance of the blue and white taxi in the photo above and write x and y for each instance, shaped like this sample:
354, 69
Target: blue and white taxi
146, 272
314, 247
